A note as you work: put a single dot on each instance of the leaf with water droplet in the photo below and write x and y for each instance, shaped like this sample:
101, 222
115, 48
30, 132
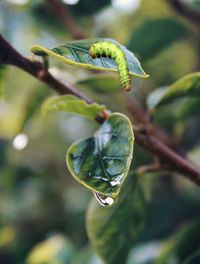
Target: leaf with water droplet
101, 163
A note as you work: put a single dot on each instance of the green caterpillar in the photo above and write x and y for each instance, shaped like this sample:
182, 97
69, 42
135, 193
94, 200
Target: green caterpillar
113, 51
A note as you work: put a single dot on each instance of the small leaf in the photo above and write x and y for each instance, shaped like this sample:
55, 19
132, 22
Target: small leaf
187, 86
77, 53
72, 104
113, 231
101, 163
154, 35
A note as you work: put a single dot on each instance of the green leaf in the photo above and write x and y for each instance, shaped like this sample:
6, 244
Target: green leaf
155, 35
77, 53
188, 108
101, 83
113, 231
182, 244
101, 163
72, 104
188, 86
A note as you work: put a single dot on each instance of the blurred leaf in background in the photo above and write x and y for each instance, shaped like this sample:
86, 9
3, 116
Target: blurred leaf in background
155, 35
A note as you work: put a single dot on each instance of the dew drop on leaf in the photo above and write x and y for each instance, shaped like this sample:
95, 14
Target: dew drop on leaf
103, 199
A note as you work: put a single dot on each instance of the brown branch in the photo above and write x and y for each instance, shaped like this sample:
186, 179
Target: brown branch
8, 55
170, 159
184, 10
140, 117
65, 17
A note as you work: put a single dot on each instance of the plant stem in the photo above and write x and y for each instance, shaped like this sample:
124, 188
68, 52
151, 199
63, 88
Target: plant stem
9, 55
185, 11
63, 14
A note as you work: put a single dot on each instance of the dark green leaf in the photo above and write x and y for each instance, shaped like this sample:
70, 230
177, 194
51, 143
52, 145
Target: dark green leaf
112, 231
72, 104
188, 108
77, 53
188, 86
181, 245
154, 35
101, 163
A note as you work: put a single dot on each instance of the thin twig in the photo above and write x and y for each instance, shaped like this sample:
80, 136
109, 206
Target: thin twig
183, 9
63, 14
9, 55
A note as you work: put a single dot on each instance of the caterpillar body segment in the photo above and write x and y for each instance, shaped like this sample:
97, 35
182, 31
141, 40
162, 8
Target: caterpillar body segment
113, 51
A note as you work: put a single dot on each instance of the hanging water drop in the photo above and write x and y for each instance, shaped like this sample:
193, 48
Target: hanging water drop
104, 200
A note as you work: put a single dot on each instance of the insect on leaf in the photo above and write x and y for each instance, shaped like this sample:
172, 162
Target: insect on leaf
77, 53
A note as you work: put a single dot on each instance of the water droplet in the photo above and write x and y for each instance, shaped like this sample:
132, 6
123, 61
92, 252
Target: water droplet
20, 141
104, 200
116, 181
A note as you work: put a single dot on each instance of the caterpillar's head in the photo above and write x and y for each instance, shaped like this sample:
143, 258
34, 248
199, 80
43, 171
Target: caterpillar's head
92, 51
127, 87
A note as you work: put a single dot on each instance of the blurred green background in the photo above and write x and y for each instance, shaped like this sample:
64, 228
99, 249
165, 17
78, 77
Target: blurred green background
42, 209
